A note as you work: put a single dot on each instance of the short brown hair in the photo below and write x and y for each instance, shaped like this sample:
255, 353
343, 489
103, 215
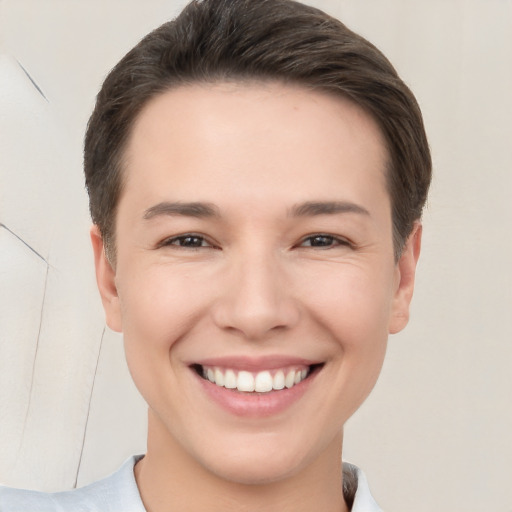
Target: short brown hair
240, 40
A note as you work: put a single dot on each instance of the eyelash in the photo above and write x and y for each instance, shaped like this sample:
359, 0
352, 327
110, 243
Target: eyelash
329, 241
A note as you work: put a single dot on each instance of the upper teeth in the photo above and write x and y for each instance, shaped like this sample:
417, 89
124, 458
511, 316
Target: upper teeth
261, 382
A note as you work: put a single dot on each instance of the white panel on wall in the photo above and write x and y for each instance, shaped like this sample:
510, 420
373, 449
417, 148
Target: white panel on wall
23, 275
29, 157
115, 403
49, 336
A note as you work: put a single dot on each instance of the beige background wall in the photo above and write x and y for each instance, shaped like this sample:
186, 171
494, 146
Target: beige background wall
436, 434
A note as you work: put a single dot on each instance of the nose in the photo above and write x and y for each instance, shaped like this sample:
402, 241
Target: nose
256, 298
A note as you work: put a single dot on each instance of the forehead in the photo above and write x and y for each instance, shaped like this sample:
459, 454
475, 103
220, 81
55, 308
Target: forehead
250, 138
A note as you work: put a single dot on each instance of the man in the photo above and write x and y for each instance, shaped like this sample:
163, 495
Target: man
256, 175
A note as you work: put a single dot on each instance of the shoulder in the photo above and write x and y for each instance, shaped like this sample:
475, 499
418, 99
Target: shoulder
115, 493
118, 493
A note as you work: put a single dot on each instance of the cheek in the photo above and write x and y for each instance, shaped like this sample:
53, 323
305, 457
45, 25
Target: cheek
353, 309
157, 310
353, 304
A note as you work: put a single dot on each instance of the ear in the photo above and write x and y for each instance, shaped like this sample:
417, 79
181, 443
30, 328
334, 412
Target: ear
406, 271
106, 281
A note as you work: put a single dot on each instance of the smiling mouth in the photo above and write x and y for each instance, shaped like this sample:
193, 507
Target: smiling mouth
264, 381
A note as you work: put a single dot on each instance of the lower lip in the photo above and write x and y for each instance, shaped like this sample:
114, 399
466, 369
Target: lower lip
255, 404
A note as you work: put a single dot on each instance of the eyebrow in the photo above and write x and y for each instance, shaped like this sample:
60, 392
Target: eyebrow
206, 210
198, 210
312, 208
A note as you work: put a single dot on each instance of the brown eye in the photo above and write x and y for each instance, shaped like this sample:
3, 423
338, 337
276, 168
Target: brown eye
323, 241
187, 241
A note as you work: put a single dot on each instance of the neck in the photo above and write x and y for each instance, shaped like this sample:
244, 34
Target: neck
170, 478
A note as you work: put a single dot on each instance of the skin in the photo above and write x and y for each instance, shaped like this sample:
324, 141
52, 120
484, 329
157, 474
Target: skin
259, 284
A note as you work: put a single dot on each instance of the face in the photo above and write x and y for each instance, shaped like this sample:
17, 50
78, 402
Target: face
255, 282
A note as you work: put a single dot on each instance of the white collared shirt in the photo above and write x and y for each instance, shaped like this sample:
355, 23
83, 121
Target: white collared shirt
119, 493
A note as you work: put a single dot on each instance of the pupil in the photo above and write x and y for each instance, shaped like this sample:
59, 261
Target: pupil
191, 241
321, 240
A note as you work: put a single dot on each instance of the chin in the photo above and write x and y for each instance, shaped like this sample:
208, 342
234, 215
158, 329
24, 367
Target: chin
254, 471
262, 461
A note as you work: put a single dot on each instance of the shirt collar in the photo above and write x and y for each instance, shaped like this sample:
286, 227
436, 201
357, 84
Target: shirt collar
362, 500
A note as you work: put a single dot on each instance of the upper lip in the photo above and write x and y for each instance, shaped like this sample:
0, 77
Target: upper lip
255, 364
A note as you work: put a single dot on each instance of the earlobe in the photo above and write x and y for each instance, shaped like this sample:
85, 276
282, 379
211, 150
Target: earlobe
406, 271
105, 279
